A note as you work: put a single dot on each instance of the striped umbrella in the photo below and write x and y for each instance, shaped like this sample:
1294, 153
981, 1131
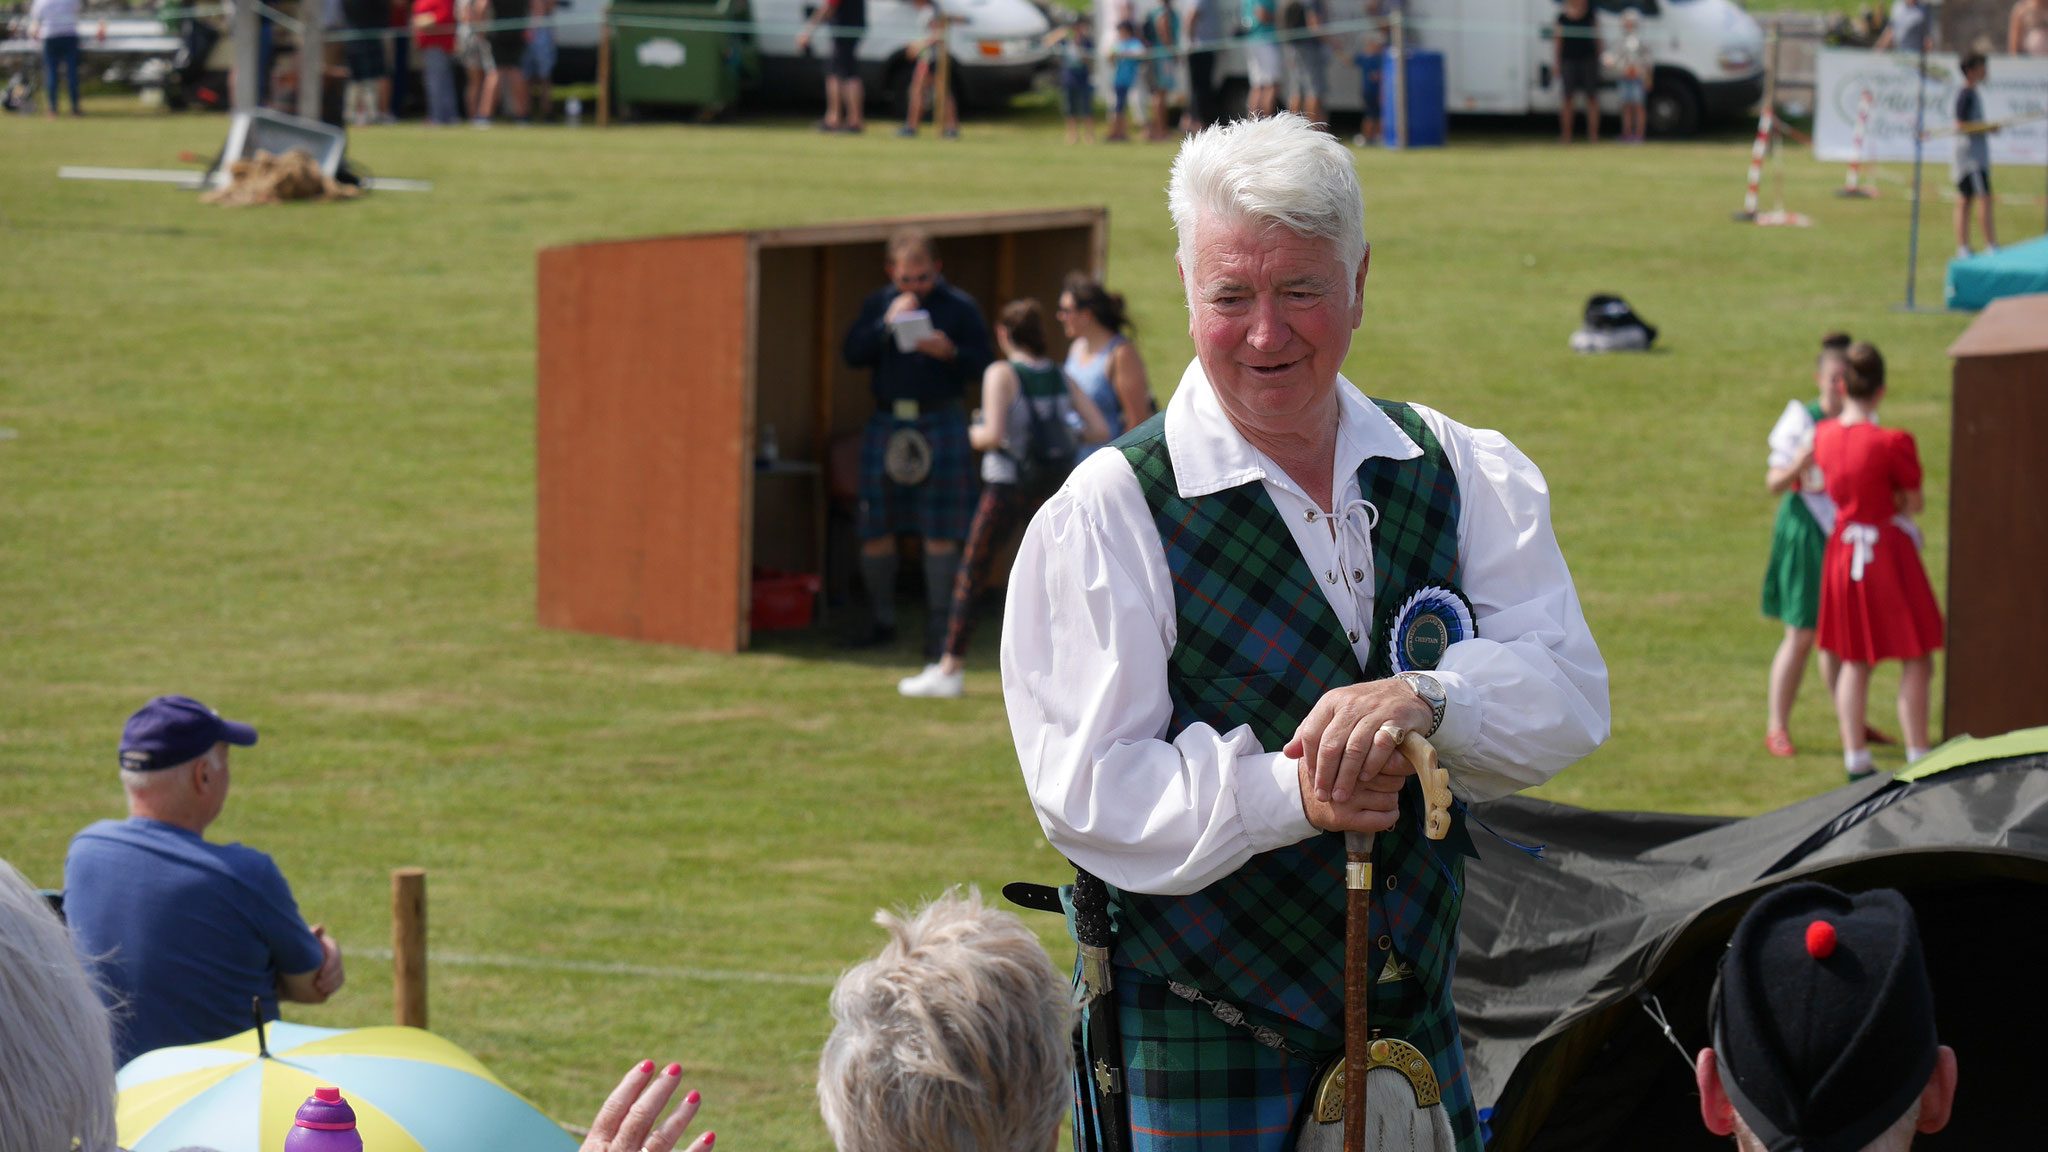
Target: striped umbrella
412, 1092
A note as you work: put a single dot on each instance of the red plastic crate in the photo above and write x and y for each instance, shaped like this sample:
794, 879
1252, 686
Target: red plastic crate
782, 600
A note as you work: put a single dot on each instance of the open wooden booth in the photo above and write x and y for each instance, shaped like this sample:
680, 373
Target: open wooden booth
1998, 523
665, 362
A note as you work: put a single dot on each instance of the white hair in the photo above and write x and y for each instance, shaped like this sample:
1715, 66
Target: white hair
957, 1037
56, 1041
152, 779
1897, 1138
1273, 170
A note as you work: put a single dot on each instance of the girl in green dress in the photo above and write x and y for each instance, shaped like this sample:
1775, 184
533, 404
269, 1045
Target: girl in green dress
1798, 539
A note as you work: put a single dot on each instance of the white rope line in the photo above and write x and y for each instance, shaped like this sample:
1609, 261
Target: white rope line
609, 968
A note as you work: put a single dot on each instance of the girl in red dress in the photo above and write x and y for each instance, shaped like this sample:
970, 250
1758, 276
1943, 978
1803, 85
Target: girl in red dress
1875, 602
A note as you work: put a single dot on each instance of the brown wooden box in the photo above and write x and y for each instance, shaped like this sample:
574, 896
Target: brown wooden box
1998, 523
661, 359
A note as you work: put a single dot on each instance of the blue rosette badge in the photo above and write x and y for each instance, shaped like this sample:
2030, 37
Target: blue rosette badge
1426, 625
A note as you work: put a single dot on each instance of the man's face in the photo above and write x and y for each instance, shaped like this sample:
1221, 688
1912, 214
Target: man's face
1271, 314
915, 273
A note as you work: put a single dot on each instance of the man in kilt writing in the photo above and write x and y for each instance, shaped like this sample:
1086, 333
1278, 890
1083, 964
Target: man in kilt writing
916, 468
1209, 629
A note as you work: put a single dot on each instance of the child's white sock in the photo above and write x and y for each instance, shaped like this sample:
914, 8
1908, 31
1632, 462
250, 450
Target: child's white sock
1857, 762
1913, 753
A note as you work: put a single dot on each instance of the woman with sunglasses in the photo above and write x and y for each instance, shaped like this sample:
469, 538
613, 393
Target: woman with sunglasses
1100, 358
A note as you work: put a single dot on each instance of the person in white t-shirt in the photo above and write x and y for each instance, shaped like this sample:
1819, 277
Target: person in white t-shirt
56, 23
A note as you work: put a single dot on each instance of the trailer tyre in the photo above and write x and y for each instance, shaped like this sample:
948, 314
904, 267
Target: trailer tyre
1673, 107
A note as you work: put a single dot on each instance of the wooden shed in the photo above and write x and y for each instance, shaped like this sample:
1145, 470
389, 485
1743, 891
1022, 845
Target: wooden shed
1998, 523
661, 361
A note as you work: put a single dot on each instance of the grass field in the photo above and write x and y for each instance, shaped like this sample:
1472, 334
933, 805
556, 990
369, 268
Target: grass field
282, 459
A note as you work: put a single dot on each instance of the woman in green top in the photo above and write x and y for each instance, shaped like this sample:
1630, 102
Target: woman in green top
1020, 390
1798, 540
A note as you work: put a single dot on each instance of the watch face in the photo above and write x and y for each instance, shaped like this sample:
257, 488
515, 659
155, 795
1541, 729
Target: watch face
1426, 687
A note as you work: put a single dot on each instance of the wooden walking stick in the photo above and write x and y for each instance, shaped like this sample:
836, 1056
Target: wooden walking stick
1361, 1053
1357, 979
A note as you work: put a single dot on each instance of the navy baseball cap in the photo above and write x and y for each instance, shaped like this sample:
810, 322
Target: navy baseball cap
171, 730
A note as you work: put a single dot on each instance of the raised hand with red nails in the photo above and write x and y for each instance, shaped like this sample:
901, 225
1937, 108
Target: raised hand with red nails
626, 1122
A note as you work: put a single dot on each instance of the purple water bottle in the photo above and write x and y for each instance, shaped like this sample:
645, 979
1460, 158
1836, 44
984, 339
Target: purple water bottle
325, 1124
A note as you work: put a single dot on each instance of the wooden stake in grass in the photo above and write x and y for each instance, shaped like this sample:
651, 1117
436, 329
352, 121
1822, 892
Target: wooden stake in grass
604, 71
409, 946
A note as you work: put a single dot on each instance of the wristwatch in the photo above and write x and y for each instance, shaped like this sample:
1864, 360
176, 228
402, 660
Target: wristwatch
1432, 693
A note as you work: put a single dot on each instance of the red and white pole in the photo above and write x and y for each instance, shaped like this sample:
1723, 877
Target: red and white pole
1757, 152
1855, 187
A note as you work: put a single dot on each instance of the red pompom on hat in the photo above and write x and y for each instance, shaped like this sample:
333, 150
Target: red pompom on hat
1820, 939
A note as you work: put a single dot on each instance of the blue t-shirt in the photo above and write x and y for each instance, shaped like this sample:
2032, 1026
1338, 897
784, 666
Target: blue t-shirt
1260, 18
1129, 52
182, 933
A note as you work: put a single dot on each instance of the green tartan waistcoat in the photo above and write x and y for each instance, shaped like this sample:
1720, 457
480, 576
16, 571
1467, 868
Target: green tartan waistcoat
1258, 644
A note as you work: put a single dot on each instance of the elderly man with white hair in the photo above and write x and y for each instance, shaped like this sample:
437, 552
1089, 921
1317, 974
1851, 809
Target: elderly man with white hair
1211, 627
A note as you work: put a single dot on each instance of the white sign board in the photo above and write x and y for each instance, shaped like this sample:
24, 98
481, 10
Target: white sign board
2015, 86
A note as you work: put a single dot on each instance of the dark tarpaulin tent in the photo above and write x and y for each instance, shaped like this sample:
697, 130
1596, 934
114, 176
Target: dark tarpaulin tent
1562, 960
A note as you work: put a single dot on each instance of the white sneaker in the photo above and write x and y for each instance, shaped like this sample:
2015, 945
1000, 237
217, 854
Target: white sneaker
1963, 252
933, 683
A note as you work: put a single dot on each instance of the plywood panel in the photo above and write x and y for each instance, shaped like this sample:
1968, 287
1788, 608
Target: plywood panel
784, 367
1997, 669
641, 454
857, 270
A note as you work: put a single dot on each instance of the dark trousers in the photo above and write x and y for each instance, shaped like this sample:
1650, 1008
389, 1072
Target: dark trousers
401, 74
1202, 87
1001, 509
60, 52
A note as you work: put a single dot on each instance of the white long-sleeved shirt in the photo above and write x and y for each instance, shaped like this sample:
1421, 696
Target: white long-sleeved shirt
1090, 624
54, 17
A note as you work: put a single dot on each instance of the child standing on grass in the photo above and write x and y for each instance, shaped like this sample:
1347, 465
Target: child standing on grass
1130, 50
1632, 66
1077, 88
1875, 601
1973, 157
1799, 542
1372, 50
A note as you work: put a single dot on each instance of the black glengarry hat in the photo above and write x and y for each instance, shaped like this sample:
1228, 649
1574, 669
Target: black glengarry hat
1823, 1017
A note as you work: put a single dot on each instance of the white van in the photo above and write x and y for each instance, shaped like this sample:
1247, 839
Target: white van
1499, 59
995, 45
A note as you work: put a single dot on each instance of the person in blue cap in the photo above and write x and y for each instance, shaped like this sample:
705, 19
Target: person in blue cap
182, 933
1823, 1025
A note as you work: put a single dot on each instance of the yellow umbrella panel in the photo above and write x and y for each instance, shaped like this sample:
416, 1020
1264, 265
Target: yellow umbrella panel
411, 1090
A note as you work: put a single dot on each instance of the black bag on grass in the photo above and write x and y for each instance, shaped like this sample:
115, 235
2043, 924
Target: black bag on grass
1612, 326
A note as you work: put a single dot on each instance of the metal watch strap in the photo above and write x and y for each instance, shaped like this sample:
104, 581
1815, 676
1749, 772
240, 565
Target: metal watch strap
1436, 706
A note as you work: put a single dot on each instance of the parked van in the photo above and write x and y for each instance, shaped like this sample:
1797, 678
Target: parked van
1499, 58
996, 46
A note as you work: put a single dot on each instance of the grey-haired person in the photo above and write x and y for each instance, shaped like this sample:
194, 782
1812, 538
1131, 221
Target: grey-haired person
182, 932
1213, 626
56, 1049
956, 1037
1824, 1035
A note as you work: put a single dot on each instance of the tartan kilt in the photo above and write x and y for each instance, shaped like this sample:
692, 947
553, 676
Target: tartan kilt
1196, 1084
941, 508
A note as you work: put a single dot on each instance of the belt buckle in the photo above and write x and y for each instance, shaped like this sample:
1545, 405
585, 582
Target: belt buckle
904, 409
